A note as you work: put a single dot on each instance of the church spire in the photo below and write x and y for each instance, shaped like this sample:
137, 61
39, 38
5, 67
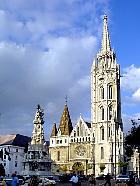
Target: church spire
106, 47
65, 124
38, 131
54, 130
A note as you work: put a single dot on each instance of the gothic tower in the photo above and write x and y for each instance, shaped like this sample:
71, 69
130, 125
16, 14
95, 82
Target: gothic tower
106, 107
38, 131
59, 142
37, 159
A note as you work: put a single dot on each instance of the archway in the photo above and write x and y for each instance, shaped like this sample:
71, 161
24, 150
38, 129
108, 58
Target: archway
78, 168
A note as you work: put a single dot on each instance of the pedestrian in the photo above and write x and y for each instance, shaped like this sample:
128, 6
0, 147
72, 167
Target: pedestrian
74, 180
15, 180
34, 181
108, 178
3, 182
92, 180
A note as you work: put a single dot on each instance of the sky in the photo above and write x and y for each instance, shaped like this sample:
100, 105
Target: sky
46, 52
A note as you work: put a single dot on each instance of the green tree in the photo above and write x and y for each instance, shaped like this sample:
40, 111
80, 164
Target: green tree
132, 139
64, 168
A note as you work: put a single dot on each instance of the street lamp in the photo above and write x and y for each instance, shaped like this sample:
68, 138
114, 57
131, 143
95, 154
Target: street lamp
115, 120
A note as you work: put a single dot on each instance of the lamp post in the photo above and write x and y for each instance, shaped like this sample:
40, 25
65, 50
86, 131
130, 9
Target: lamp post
93, 157
115, 148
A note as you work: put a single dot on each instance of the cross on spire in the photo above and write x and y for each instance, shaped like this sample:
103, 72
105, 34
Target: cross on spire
66, 99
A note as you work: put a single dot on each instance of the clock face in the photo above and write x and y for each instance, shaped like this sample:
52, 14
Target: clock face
80, 150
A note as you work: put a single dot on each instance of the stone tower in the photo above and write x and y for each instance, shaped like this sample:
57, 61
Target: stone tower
37, 160
106, 108
59, 141
38, 132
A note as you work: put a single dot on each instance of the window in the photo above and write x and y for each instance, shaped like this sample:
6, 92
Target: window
60, 141
16, 157
57, 141
102, 113
102, 153
77, 131
4, 164
102, 92
102, 133
52, 141
110, 91
65, 141
110, 112
4, 156
15, 163
16, 150
74, 134
58, 156
108, 131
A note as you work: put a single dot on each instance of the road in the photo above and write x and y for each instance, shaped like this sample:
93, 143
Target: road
98, 183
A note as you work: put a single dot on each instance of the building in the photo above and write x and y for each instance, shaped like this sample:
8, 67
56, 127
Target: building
12, 149
134, 163
95, 147
37, 159
106, 107
71, 148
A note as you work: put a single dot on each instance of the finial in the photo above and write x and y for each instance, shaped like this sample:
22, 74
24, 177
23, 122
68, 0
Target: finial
66, 99
106, 47
38, 107
105, 17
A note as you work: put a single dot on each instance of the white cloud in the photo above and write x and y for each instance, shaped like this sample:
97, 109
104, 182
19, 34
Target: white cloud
136, 95
131, 78
130, 83
46, 51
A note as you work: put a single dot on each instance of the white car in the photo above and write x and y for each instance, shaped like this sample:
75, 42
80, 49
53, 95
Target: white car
45, 181
122, 179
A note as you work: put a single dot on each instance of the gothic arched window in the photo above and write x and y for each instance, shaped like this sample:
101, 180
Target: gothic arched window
109, 132
102, 113
58, 156
110, 112
102, 133
102, 92
102, 153
77, 131
110, 92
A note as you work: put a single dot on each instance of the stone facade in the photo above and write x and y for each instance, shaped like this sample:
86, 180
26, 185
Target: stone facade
94, 147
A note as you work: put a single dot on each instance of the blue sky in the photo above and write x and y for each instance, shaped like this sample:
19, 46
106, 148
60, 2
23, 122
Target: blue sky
46, 52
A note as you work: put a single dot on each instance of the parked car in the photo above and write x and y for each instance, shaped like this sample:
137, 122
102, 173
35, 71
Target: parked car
122, 179
65, 178
82, 178
101, 177
9, 180
45, 181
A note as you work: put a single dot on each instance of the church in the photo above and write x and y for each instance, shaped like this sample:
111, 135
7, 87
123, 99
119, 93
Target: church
95, 147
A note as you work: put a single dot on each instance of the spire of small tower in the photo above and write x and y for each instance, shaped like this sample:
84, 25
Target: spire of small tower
54, 130
65, 123
106, 47
38, 131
